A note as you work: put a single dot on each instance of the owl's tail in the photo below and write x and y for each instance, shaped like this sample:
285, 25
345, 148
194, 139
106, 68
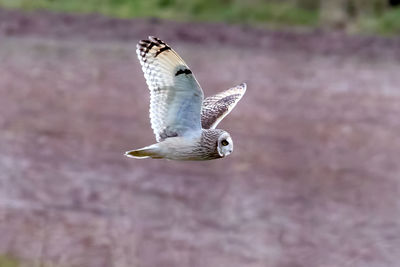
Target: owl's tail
145, 152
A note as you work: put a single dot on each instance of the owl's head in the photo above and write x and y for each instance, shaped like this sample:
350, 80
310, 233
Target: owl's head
224, 144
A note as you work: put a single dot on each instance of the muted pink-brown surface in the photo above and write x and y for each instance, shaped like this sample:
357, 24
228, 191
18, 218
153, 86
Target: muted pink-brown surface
314, 179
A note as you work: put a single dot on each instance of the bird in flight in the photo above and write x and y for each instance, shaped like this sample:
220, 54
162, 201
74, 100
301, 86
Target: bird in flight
183, 122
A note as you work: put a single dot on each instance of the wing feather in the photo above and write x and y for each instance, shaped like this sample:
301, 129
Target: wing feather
216, 107
175, 94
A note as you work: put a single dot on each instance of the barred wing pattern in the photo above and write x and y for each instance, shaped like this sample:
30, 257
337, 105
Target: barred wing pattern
175, 95
216, 107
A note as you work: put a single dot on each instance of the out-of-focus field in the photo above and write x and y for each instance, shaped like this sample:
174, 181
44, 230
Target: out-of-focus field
254, 12
314, 179
354, 16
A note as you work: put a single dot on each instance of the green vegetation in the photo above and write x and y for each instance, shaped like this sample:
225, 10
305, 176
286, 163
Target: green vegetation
6, 261
387, 24
375, 17
201, 10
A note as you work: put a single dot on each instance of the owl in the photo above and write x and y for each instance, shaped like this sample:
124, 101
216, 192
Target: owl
183, 122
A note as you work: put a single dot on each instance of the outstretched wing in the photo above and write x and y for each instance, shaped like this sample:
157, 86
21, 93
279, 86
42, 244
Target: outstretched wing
175, 94
216, 107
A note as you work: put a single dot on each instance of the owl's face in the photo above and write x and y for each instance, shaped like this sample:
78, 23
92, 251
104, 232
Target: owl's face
224, 145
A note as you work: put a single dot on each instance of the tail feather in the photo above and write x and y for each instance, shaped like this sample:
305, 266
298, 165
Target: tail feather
142, 153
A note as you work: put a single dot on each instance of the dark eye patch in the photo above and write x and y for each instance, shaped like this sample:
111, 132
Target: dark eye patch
224, 143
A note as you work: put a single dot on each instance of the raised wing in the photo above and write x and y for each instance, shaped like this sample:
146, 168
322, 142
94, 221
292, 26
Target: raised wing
216, 107
175, 94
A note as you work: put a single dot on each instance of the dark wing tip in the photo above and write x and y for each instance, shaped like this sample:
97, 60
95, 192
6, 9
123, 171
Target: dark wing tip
146, 45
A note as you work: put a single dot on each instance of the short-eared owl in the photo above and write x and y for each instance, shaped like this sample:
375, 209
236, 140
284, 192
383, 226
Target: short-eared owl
183, 122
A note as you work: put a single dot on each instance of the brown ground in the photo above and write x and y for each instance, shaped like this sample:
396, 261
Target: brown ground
314, 179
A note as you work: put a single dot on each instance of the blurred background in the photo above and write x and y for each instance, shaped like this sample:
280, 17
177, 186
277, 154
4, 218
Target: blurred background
368, 16
314, 179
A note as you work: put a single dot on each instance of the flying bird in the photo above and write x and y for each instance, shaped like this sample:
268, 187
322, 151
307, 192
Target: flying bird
183, 122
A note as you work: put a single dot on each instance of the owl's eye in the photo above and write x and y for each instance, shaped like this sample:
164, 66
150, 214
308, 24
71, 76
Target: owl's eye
224, 143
